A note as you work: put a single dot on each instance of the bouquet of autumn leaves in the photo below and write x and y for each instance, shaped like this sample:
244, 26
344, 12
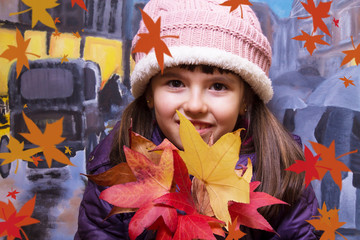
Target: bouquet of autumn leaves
155, 184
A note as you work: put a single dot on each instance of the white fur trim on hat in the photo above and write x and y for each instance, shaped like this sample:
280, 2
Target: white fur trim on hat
148, 67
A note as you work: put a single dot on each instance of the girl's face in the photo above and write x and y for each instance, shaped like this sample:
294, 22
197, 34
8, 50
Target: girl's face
212, 102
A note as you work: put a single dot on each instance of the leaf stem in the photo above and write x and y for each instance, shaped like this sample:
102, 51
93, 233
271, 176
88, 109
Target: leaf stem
355, 151
16, 13
340, 234
24, 234
241, 12
324, 167
352, 40
32, 54
170, 36
304, 17
17, 165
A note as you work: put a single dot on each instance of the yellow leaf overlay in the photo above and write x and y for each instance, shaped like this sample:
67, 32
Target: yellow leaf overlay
39, 12
17, 153
215, 166
48, 140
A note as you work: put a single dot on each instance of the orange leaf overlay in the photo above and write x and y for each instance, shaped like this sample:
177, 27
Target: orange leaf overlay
17, 153
13, 220
318, 13
64, 58
48, 140
329, 162
57, 21
39, 12
233, 232
36, 160
56, 33
350, 54
327, 222
347, 81
18, 52
80, 3
235, 4
310, 41
316, 169
148, 41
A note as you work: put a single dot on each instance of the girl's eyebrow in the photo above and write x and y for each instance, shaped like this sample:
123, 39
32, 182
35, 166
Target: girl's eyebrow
171, 75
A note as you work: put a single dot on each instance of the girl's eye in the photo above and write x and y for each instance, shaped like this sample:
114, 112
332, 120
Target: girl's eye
175, 83
218, 87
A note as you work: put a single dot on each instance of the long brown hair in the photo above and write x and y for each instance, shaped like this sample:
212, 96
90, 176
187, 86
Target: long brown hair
274, 146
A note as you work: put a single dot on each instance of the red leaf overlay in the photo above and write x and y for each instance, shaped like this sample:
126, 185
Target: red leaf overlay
329, 162
318, 13
235, 4
80, 3
12, 194
308, 166
234, 231
352, 54
336, 22
247, 214
327, 222
18, 52
152, 182
13, 221
310, 41
148, 41
347, 81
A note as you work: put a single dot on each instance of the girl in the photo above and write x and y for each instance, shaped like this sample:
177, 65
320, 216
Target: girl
218, 78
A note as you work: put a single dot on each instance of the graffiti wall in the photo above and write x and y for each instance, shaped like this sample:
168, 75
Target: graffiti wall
64, 82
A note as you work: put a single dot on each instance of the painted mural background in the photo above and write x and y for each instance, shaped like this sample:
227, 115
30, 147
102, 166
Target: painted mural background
87, 65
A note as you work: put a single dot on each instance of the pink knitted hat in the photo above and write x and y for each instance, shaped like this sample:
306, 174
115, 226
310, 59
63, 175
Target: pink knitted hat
208, 34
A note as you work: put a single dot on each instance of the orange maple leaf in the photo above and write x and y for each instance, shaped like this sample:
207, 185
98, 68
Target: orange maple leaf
329, 162
350, 54
17, 153
56, 33
235, 4
18, 52
233, 232
57, 20
347, 81
14, 220
48, 140
64, 59
39, 12
152, 40
80, 3
310, 41
318, 13
327, 222
36, 160
76, 34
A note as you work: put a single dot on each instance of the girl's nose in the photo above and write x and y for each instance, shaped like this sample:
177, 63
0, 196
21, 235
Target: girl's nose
195, 103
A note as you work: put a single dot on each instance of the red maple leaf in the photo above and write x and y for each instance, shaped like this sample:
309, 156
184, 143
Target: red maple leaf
12, 194
336, 22
36, 160
13, 221
318, 13
152, 40
351, 54
80, 3
347, 81
310, 41
235, 4
247, 213
308, 166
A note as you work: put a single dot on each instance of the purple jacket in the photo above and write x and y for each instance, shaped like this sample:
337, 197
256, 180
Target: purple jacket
291, 224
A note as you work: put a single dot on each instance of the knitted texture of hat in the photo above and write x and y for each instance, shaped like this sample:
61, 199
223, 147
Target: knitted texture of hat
208, 34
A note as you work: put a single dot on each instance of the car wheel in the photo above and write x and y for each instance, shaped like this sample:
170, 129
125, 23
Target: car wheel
4, 169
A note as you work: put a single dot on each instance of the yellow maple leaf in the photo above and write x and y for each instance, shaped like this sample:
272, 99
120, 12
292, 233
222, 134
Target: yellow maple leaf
215, 166
39, 12
48, 140
17, 153
67, 150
